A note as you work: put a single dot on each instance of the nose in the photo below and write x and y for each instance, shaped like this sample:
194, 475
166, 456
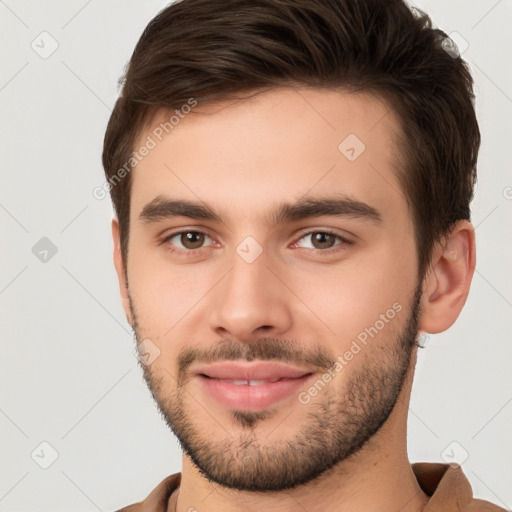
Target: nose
251, 299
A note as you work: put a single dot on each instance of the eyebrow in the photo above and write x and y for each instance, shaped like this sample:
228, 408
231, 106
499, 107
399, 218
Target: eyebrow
162, 208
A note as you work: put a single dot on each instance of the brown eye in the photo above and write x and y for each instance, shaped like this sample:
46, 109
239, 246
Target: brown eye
192, 239
187, 240
322, 240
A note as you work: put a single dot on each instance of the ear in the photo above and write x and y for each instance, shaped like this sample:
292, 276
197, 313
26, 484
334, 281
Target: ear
121, 271
446, 285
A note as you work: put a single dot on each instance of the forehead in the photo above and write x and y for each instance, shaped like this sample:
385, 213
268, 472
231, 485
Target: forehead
241, 156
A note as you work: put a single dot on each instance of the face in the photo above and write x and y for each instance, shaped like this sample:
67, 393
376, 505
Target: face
303, 254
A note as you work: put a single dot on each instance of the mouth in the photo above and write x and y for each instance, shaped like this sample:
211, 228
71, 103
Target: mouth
252, 394
236, 371
252, 382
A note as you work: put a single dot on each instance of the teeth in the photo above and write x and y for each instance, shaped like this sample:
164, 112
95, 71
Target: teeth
248, 382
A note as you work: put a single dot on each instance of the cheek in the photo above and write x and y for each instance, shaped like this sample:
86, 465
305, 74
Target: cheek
164, 293
350, 298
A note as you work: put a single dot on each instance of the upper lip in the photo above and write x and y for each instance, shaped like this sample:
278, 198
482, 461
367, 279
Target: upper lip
251, 371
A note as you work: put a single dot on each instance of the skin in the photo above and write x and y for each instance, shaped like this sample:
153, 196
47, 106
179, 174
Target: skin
346, 448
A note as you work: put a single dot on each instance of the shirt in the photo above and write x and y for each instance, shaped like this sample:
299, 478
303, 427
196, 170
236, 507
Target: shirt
446, 484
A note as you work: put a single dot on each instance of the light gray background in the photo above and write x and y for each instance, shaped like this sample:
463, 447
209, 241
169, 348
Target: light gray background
69, 376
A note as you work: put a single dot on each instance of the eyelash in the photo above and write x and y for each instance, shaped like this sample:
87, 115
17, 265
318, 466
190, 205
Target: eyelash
190, 252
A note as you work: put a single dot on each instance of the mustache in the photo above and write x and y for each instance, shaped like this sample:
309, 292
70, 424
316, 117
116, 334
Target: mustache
262, 349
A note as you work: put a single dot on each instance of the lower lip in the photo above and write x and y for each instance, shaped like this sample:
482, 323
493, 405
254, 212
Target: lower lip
252, 398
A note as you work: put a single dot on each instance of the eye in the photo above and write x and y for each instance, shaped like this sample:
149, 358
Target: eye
189, 240
324, 241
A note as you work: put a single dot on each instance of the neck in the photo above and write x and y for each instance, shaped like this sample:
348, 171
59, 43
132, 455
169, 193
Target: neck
377, 478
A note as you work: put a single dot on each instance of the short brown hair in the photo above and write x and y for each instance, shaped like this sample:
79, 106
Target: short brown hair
216, 50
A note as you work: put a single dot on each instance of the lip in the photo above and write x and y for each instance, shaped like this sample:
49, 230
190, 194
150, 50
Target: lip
252, 371
256, 397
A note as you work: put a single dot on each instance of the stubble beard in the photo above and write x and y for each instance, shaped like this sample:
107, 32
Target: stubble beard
339, 421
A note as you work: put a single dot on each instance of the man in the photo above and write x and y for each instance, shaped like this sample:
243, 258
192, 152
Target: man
292, 183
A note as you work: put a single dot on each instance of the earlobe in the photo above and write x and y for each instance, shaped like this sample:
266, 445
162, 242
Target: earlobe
446, 286
121, 271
